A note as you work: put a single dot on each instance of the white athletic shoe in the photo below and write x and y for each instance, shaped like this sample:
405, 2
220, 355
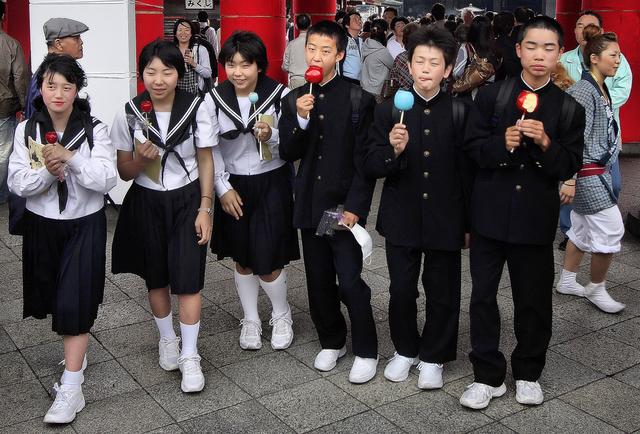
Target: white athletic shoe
572, 289
430, 375
326, 359
529, 392
192, 378
478, 395
250, 335
363, 370
68, 402
282, 331
168, 351
398, 367
598, 295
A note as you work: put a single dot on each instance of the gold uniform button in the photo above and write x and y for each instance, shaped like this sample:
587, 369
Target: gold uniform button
427, 132
518, 188
425, 174
321, 96
319, 177
321, 117
522, 167
425, 196
427, 112
319, 157
426, 154
321, 136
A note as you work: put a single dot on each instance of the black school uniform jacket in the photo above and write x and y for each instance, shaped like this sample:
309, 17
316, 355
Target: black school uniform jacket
331, 152
426, 192
515, 195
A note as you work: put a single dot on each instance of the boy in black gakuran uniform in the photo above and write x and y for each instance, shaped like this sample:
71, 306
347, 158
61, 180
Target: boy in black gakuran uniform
328, 139
423, 209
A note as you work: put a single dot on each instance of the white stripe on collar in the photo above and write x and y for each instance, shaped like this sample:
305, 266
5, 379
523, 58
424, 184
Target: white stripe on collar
425, 99
538, 88
140, 116
266, 103
182, 120
75, 139
220, 101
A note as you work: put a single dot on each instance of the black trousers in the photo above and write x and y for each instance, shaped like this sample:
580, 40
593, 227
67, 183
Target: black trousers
531, 273
441, 281
324, 259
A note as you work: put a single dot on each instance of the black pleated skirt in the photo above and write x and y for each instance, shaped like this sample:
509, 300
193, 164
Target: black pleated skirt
264, 238
156, 239
63, 270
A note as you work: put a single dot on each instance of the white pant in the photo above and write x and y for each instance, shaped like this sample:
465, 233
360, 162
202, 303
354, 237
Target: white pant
597, 233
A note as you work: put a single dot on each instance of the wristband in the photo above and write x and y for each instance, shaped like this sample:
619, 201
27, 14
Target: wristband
207, 210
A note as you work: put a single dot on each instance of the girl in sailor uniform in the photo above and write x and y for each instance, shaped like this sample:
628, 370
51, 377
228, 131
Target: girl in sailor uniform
254, 211
63, 163
164, 138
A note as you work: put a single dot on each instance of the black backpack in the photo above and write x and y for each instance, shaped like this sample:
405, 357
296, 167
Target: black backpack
200, 39
16, 203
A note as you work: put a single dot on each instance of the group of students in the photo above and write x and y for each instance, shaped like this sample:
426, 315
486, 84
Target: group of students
456, 175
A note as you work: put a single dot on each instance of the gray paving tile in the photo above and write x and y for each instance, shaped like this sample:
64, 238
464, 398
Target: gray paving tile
31, 332
215, 272
112, 293
7, 255
600, 352
169, 429
37, 426
630, 376
131, 339
622, 273
13, 369
22, 402
627, 332
369, 422
493, 428
246, 417
130, 284
223, 348
6, 344
119, 314
11, 311
614, 402
270, 373
556, 416
45, 359
312, 405
144, 368
220, 292
219, 392
562, 375
130, 412
214, 320
564, 330
432, 412
101, 381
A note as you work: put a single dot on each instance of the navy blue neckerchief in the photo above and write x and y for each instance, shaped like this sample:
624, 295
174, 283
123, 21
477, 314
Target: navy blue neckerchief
183, 118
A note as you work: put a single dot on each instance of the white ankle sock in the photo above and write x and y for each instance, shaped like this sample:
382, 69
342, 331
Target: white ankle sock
248, 288
568, 278
165, 327
72, 379
189, 334
277, 293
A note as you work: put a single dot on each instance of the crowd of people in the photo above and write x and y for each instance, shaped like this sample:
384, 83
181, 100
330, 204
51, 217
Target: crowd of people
503, 128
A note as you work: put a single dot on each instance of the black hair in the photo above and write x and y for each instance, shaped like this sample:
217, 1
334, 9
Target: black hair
521, 14
480, 36
394, 10
545, 23
194, 31
397, 20
1, 9
434, 37
339, 15
490, 15
379, 31
249, 46
437, 11
592, 13
303, 21
366, 27
451, 17
424, 21
347, 18
203, 16
407, 31
168, 53
503, 23
64, 65
332, 30
450, 26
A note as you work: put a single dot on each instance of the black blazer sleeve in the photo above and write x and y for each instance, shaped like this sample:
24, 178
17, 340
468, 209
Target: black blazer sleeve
466, 171
380, 161
293, 139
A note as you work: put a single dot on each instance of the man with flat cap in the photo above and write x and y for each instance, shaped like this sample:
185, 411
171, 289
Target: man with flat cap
63, 37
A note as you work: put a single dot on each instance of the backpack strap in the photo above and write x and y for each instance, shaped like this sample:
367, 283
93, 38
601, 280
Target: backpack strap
506, 88
355, 93
459, 110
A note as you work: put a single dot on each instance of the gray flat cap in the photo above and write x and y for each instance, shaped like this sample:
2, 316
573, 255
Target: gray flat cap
57, 28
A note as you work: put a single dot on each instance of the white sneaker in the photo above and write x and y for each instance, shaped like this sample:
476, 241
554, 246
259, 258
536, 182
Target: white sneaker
326, 359
282, 331
598, 295
529, 392
478, 395
68, 402
192, 378
398, 367
430, 375
574, 288
363, 370
168, 351
250, 335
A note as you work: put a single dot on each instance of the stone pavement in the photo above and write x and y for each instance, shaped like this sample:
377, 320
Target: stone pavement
591, 382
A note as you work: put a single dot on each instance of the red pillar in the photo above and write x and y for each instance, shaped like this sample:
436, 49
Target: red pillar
567, 12
623, 18
149, 25
318, 9
16, 24
266, 18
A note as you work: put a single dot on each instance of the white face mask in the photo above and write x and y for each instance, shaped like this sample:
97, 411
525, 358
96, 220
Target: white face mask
364, 239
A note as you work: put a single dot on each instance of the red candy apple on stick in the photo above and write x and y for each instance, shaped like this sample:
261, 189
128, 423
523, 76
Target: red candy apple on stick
146, 107
527, 102
51, 137
313, 75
